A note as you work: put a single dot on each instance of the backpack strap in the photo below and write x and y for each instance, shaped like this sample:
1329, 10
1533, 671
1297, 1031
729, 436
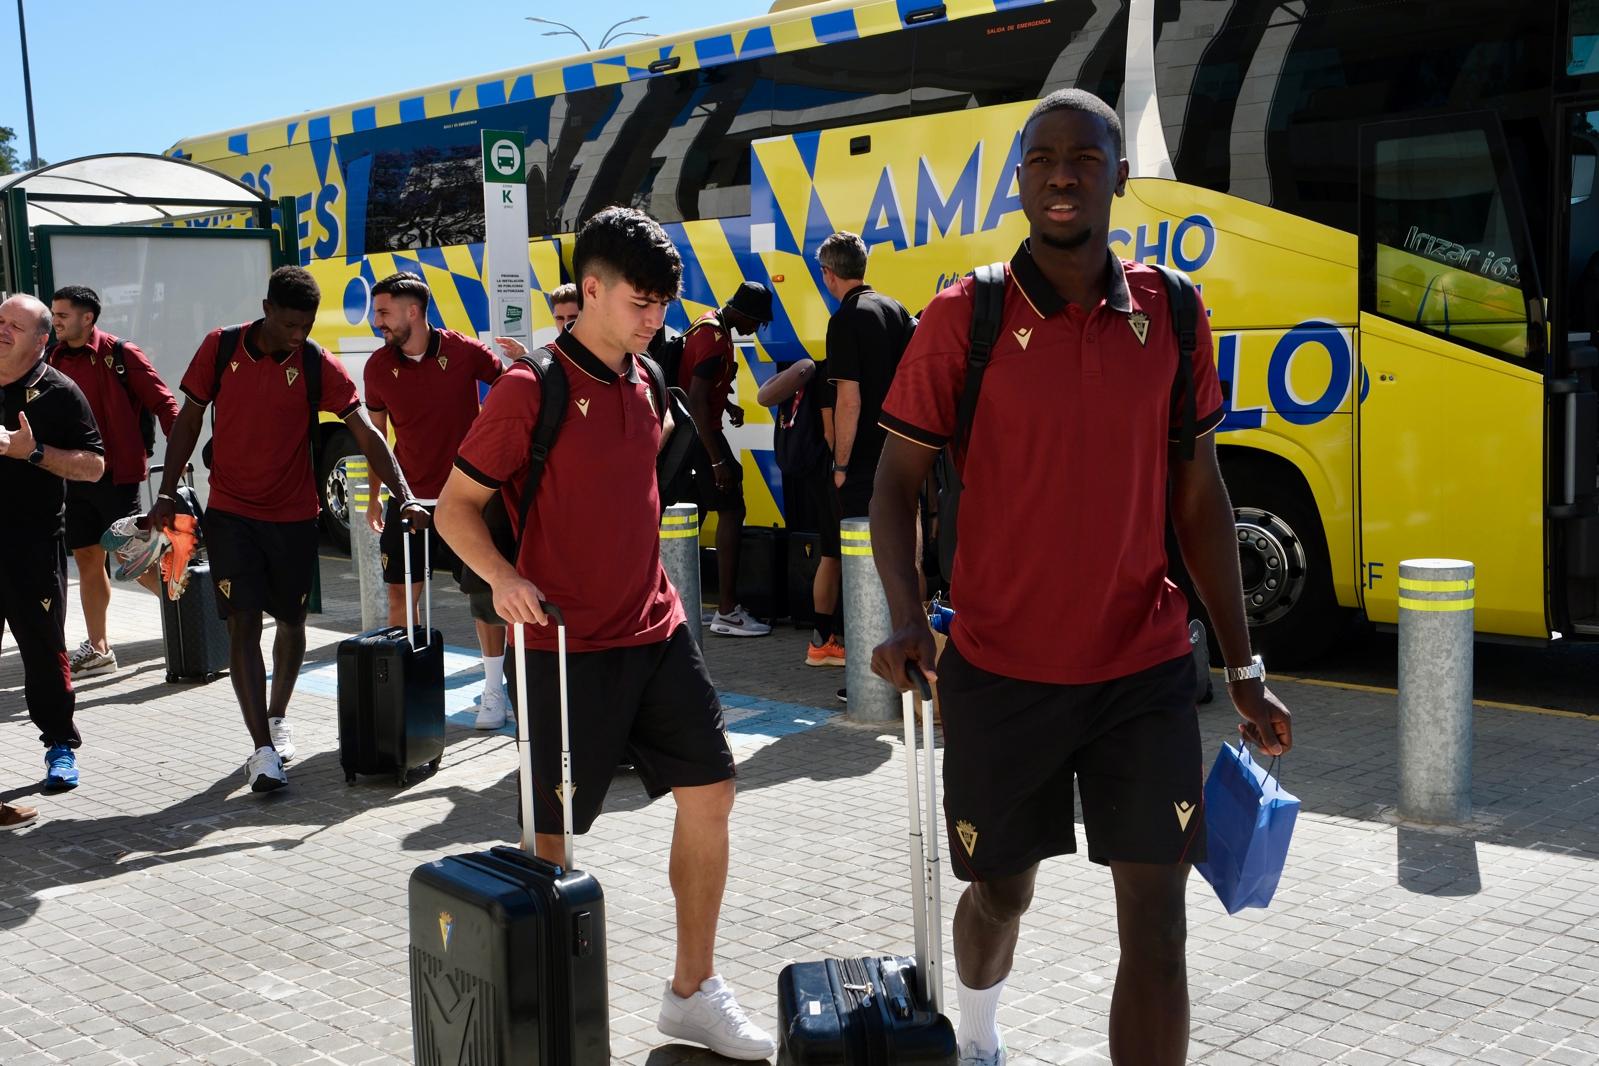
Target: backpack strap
1183, 300
227, 343
312, 361
988, 307
553, 391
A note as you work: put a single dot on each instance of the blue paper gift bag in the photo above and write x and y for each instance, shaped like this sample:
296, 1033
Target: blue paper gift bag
1249, 821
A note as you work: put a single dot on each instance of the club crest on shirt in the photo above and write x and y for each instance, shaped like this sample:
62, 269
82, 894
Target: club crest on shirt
291, 373
649, 398
30, 396
383, 560
226, 588
444, 362
108, 361
1140, 323
968, 834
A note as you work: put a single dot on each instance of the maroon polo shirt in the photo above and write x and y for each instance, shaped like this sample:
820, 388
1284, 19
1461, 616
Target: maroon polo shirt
1060, 565
593, 546
116, 403
431, 401
708, 353
261, 461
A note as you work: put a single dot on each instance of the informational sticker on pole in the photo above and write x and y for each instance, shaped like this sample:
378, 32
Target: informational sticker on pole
505, 265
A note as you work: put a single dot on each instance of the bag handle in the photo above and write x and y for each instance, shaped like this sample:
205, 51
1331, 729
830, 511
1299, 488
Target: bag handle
406, 530
926, 909
524, 746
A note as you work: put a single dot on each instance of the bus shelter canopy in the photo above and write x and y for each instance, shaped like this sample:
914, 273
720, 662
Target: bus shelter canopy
127, 189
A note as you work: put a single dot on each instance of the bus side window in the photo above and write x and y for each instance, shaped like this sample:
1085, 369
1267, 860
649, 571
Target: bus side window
1442, 250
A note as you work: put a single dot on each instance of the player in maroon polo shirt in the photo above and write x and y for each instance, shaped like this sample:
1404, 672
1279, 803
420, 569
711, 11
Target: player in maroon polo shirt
1069, 654
706, 375
425, 381
639, 686
564, 306
120, 386
261, 518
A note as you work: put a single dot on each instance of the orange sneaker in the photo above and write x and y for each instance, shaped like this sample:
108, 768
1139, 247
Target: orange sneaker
830, 653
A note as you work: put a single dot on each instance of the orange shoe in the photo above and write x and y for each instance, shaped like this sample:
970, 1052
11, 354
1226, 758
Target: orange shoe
175, 561
830, 653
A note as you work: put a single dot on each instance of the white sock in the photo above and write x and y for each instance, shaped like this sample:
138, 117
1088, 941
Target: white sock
979, 1022
493, 672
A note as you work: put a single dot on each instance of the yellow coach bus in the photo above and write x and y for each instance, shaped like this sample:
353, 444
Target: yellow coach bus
1389, 205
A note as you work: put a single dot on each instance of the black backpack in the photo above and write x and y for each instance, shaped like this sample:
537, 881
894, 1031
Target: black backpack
988, 307
798, 443
553, 393
227, 345
120, 366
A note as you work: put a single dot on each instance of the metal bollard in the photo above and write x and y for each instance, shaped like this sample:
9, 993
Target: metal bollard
1436, 619
364, 553
871, 699
680, 556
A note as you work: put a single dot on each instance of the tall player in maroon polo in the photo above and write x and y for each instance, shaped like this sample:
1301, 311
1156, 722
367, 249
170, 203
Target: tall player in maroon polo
261, 517
425, 381
638, 684
1069, 655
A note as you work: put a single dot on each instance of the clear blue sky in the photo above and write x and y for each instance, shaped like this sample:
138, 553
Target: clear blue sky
137, 75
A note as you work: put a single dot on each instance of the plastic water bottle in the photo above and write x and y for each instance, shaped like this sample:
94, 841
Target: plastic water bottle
941, 618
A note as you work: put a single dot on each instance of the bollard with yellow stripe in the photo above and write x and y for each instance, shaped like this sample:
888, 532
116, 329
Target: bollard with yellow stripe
1437, 619
680, 557
867, 622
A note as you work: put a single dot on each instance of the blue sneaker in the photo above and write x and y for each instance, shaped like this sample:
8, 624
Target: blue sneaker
61, 768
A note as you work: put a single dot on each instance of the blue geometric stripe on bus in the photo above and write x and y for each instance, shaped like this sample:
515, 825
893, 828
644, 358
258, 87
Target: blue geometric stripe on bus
713, 50
364, 118
521, 89
491, 93
757, 43
808, 143
578, 77
474, 300
766, 460
413, 109
696, 286
834, 26
239, 144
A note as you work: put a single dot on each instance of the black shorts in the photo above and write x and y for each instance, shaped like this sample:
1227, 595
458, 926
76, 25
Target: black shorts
706, 495
260, 566
822, 505
653, 704
391, 548
855, 498
1012, 748
93, 505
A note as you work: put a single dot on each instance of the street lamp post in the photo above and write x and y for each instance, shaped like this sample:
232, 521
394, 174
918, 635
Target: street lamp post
27, 91
610, 34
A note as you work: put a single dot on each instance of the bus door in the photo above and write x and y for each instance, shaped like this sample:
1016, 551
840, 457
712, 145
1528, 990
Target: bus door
1573, 405
1450, 424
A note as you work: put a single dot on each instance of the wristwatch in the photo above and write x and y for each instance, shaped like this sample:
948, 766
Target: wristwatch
37, 455
1255, 670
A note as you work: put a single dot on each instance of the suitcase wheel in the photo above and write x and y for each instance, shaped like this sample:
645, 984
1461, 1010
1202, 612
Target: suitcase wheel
433, 767
402, 778
349, 778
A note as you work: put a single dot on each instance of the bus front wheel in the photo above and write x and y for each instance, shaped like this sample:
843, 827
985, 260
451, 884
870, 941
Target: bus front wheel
1292, 611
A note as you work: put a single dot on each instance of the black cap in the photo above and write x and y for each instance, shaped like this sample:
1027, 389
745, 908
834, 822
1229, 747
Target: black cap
752, 299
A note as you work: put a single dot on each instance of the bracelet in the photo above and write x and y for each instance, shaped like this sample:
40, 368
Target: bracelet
841, 468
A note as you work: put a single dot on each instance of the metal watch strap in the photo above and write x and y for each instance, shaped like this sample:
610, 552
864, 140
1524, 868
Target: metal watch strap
1255, 670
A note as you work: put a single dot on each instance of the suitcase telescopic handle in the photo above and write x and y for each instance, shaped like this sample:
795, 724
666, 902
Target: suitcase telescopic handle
523, 742
926, 909
406, 529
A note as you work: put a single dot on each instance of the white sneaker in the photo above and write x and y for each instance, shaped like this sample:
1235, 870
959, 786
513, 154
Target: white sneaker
713, 1017
494, 709
970, 1056
740, 623
282, 731
265, 771
86, 662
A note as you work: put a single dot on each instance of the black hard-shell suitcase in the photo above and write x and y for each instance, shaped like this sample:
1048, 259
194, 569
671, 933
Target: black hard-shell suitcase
763, 571
880, 1009
194, 637
391, 694
507, 950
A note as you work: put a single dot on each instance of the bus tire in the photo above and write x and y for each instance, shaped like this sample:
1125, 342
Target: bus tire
333, 489
1293, 613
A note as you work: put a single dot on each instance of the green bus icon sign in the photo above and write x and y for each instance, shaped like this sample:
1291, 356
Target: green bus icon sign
506, 159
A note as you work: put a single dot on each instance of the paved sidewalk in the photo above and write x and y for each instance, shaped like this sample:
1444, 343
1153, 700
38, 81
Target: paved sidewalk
162, 913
